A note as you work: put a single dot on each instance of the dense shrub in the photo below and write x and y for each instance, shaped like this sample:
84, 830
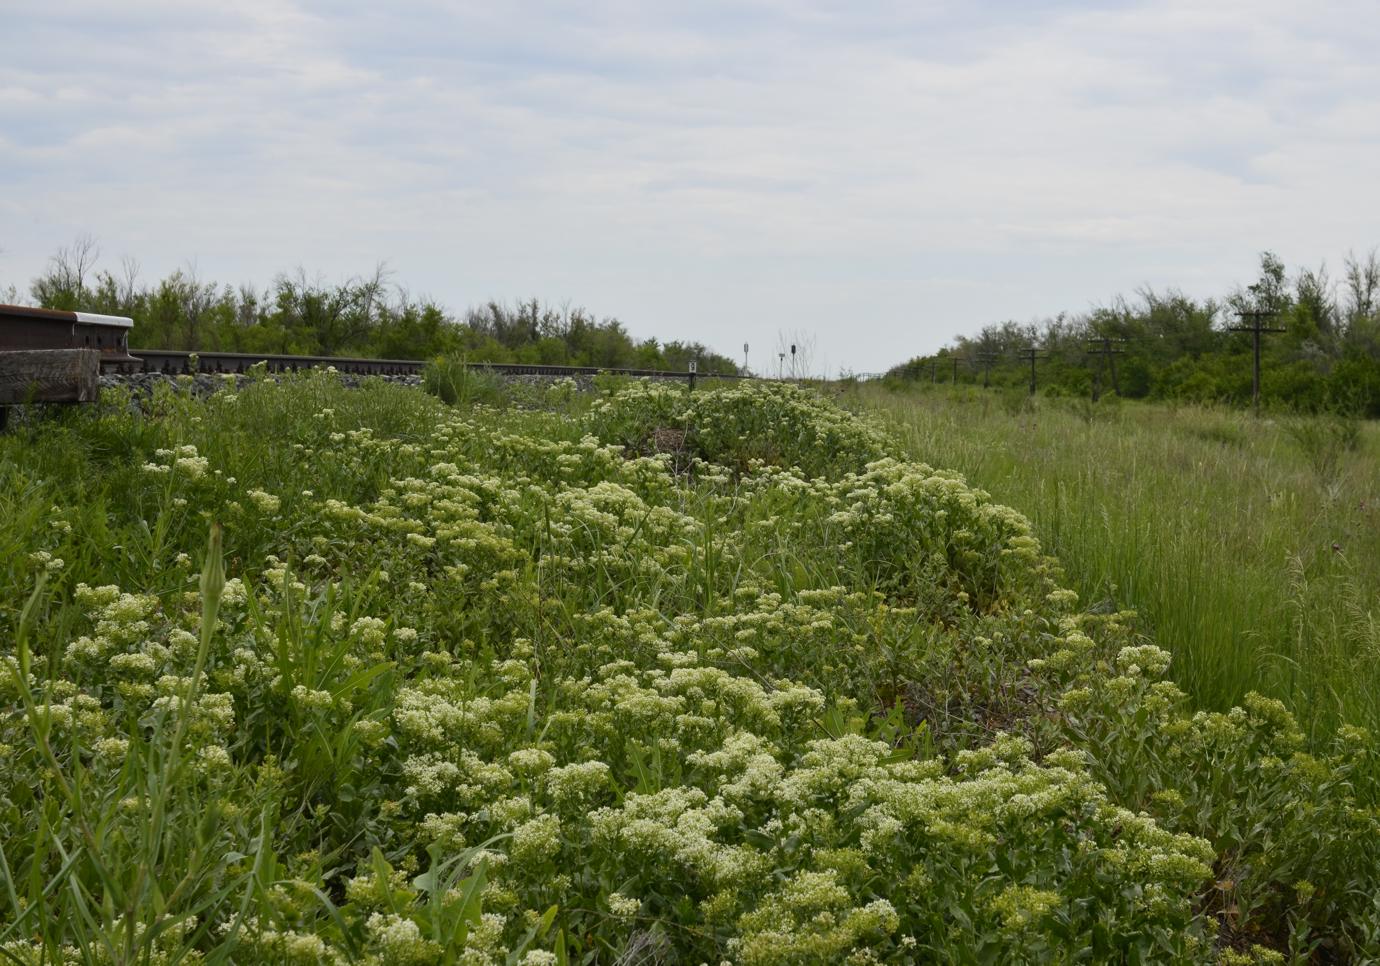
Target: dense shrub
776, 424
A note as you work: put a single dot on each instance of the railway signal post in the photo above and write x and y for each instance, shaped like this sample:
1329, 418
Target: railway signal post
1253, 321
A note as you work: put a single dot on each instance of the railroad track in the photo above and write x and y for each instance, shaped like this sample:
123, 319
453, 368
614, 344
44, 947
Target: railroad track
178, 362
23, 328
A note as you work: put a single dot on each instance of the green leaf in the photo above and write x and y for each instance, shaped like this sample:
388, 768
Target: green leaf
360, 678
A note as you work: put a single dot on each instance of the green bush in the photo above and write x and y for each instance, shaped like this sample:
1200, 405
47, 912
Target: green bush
1324, 440
456, 382
772, 423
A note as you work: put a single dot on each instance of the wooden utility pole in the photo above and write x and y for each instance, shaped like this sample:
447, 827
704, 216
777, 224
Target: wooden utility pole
987, 358
1257, 328
955, 362
1102, 347
934, 371
1031, 355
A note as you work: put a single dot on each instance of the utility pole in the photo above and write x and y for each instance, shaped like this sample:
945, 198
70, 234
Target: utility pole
1031, 354
1102, 347
987, 357
934, 372
955, 362
1257, 327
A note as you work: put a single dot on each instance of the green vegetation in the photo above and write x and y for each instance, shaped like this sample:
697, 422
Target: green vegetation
364, 316
315, 675
1249, 547
1179, 348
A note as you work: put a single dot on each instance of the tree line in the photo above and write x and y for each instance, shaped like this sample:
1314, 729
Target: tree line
1166, 345
365, 316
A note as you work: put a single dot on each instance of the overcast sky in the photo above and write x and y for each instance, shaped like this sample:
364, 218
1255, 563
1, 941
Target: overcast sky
878, 176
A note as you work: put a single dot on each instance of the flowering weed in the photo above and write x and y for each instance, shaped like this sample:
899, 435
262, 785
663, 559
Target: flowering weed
496, 686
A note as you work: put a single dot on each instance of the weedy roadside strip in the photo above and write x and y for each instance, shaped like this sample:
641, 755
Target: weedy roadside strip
486, 686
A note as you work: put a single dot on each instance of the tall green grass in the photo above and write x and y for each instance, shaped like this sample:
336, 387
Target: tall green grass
1251, 548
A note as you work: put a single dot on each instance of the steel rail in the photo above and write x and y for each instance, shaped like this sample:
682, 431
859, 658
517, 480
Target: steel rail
24, 327
185, 362
180, 362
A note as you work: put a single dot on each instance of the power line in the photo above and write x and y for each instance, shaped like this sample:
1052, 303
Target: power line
1106, 353
1031, 354
1257, 328
986, 357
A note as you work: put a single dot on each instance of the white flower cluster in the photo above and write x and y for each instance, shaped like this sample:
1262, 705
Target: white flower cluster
680, 677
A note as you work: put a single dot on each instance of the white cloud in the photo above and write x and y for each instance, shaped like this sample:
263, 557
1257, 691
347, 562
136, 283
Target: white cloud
885, 174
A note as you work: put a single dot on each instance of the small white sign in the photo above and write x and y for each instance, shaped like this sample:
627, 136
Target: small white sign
694, 367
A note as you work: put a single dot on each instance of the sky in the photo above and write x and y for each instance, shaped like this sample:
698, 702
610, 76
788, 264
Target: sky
868, 179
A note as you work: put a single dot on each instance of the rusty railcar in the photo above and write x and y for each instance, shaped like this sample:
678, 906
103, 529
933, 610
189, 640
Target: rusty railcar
23, 327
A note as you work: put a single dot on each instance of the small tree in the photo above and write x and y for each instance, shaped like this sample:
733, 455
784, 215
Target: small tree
1363, 289
1315, 307
1269, 293
63, 284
